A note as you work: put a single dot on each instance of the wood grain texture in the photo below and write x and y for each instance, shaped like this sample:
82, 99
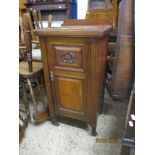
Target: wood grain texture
123, 66
72, 22
67, 100
78, 31
46, 76
105, 12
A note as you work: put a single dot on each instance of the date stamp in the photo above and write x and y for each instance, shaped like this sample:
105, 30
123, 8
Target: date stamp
107, 140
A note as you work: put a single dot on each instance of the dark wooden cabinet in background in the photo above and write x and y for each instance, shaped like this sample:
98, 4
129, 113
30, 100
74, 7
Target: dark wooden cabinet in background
59, 9
74, 62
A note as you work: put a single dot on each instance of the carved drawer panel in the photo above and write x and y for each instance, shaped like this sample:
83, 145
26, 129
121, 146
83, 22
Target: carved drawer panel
68, 56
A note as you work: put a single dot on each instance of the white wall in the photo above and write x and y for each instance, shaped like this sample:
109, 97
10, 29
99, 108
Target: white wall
82, 8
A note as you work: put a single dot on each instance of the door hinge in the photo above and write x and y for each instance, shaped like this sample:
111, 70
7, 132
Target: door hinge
51, 75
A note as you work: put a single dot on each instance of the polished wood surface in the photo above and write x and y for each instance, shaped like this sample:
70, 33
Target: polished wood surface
22, 4
123, 65
72, 22
92, 22
74, 61
71, 101
78, 31
103, 10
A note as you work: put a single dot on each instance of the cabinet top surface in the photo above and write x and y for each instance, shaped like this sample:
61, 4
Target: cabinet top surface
75, 31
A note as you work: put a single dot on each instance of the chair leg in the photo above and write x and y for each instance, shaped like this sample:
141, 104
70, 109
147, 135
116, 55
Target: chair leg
22, 127
32, 95
108, 86
41, 94
25, 101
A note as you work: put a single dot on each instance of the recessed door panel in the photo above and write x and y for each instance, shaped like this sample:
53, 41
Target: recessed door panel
70, 94
70, 98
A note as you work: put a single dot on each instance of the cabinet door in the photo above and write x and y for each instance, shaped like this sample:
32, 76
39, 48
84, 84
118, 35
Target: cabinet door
68, 70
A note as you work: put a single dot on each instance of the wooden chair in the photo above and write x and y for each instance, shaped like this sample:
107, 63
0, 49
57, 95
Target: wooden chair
37, 24
23, 112
31, 71
36, 52
22, 47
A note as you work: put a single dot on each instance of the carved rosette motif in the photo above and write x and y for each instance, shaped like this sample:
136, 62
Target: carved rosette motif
67, 57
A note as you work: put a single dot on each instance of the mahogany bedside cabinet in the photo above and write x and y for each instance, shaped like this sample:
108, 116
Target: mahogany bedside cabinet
74, 63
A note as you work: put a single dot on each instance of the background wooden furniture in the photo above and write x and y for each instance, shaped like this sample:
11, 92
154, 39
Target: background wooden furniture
123, 65
74, 59
36, 52
22, 6
60, 9
29, 71
106, 10
103, 9
72, 22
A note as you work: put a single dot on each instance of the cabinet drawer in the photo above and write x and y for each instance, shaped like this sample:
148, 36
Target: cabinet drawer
69, 57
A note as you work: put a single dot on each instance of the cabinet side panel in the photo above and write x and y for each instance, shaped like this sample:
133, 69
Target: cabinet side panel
46, 75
